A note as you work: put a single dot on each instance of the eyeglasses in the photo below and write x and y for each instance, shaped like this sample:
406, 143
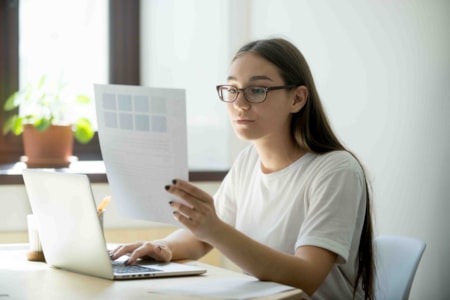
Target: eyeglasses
253, 94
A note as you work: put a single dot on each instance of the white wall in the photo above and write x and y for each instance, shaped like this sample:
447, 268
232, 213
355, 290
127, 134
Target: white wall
383, 72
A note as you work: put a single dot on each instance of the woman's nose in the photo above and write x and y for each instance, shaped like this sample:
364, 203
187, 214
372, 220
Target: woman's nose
241, 102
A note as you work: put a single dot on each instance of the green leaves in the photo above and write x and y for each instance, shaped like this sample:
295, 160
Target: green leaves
13, 124
42, 124
45, 103
83, 99
10, 103
83, 130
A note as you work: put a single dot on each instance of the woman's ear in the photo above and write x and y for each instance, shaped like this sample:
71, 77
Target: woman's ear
300, 98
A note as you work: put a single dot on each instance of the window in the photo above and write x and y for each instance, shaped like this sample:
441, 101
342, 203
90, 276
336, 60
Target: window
66, 41
123, 62
124, 68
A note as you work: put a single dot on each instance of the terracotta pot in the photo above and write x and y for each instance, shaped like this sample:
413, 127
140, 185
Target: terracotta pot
51, 148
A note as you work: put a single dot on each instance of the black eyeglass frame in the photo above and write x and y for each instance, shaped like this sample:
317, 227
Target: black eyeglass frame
266, 90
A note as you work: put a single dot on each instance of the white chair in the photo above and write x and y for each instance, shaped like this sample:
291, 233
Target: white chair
396, 261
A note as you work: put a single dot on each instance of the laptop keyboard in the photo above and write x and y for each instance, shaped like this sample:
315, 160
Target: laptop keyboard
121, 268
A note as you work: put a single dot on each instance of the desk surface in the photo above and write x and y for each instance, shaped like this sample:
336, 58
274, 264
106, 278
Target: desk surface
22, 279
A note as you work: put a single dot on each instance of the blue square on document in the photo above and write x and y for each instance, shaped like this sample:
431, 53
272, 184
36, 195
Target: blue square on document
159, 124
126, 121
125, 103
110, 119
158, 105
141, 104
109, 101
142, 122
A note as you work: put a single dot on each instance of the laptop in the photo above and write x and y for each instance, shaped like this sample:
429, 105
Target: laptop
71, 234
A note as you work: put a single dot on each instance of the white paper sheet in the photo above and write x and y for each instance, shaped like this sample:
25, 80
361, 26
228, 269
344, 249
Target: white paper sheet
143, 139
227, 288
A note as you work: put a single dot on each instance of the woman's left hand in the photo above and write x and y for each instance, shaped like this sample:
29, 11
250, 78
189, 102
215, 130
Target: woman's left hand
197, 213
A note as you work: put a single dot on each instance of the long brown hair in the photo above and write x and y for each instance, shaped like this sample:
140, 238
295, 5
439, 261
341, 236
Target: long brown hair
311, 130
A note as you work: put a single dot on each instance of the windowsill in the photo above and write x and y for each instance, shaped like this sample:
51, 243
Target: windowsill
95, 169
12, 173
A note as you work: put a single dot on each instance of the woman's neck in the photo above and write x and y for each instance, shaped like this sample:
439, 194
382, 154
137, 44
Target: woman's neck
277, 156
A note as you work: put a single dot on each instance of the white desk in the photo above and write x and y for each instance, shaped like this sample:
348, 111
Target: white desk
22, 279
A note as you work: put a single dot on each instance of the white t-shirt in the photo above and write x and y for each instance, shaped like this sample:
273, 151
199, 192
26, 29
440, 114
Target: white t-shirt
319, 200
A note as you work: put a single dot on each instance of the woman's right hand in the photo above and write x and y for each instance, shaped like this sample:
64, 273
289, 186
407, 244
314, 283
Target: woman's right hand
157, 250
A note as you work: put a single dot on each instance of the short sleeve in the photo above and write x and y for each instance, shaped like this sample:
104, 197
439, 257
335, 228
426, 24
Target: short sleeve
335, 206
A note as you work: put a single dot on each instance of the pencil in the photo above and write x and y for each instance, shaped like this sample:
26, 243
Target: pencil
101, 207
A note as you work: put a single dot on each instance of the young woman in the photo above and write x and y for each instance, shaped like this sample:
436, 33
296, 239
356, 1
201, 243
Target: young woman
295, 206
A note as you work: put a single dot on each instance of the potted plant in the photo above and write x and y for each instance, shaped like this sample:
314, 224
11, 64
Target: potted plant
49, 118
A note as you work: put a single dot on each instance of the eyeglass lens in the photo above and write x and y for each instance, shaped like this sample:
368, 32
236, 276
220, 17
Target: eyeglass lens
252, 93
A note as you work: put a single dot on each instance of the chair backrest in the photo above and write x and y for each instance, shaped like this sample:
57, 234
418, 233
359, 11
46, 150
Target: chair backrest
396, 261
